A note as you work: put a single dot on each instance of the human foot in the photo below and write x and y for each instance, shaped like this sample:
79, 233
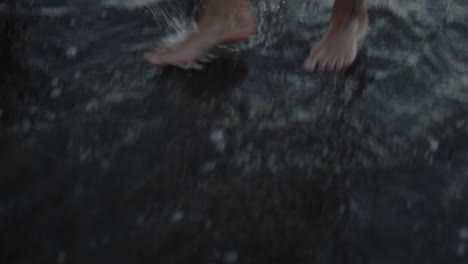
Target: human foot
213, 29
338, 48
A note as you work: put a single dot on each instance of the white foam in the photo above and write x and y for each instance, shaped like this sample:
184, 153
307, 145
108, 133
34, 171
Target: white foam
130, 4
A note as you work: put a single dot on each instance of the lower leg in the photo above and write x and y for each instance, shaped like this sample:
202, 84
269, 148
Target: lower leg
224, 7
346, 10
232, 18
222, 21
338, 47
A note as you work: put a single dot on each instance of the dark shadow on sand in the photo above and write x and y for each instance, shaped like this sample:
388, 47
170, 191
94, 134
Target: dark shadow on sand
218, 77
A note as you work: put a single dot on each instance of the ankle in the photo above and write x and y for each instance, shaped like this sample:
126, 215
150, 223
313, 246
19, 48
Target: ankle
340, 21
224, 8
240, 18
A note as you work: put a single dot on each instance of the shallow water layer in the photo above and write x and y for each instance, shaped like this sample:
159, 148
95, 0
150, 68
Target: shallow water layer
248, 159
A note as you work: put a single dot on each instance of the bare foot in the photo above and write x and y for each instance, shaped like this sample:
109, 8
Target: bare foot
212, 30
338, 48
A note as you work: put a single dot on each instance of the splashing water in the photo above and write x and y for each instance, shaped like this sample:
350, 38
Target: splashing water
130, 4
173, 18
180, 25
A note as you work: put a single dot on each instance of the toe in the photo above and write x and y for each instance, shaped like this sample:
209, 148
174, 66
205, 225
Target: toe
331, 64
322, 65
352, 58
153, 58
347, 62
310, 63
339, 64
315, 52
183, 63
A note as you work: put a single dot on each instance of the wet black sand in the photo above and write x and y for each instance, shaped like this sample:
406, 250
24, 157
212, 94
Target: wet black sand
105, 159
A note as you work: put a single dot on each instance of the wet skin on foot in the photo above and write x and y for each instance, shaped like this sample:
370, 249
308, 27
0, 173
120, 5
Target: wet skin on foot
211, 30
336, 50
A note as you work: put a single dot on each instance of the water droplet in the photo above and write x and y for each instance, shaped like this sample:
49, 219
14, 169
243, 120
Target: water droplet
177, 216
71, 52
231, 256
463, 234
56, 92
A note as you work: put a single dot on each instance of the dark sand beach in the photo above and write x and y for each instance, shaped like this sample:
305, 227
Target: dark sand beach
247, 159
